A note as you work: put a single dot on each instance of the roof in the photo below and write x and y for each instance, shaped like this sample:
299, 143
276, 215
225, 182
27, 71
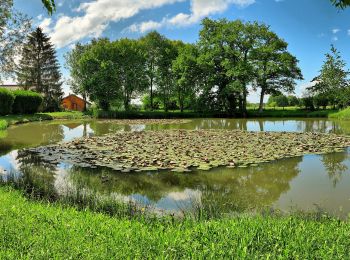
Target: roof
72, 95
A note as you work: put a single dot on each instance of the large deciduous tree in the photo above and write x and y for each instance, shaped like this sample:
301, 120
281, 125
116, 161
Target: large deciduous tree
130, 60
153, 46
101, 73
226, 49
274, 67
39, 68
187, 75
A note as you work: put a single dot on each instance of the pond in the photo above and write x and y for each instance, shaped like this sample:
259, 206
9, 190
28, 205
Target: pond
308, 183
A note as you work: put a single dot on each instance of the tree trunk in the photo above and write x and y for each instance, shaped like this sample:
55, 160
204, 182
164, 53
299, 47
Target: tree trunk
244, 104
84, 98
151, 96
261, 104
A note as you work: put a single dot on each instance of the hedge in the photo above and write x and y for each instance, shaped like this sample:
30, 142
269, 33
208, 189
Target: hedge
26, 102
6, 101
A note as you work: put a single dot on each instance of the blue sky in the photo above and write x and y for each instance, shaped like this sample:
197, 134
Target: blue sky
309, 26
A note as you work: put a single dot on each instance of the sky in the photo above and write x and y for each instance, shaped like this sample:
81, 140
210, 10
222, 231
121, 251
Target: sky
309, 26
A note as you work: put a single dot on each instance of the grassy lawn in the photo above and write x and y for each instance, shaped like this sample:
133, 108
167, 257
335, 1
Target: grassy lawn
291, 112
37, 230
20, 119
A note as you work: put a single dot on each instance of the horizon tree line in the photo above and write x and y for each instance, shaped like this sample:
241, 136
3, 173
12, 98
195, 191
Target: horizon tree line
213, 74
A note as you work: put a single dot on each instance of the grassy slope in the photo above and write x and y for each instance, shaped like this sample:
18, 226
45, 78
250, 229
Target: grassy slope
36, 230
343, 114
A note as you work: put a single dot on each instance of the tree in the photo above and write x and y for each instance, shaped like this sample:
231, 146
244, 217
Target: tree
100, 73
153, 46
76, 76
275, 68
131, 62
341, 3
227, 52
13, 29
333, 80
293, 101
187, 74
39, 68
165, 79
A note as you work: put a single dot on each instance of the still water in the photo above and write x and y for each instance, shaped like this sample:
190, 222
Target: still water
309, 183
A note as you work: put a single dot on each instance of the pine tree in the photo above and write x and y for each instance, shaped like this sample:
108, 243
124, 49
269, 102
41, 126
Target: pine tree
39, 69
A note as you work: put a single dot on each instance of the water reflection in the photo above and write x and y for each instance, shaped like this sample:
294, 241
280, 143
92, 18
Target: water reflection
303, 182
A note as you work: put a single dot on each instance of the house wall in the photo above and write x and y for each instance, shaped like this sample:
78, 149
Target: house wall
73, 103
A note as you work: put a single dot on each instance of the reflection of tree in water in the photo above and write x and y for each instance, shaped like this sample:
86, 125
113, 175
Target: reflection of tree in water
317, 125
223, 189
30, 135
335, 167
37, 177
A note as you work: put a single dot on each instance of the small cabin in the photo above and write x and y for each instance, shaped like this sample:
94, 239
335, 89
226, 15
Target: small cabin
73, 102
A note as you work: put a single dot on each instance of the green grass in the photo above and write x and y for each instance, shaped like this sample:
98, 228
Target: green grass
3, 124
34, 230
343, 114
252, 113
20, 119
66, 115
291, 112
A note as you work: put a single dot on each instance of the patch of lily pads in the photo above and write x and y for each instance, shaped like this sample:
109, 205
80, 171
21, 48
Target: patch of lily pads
185, 150
149, 121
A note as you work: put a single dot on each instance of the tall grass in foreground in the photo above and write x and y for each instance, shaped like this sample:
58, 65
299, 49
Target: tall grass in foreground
34, 230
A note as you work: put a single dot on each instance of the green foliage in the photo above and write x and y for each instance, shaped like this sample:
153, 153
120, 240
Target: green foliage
26, 102
278, 100
187, 75
276, 69
3, 124
293, 101
333, 81
77, 76
14, 27
212, 75
343, 114
153, 45
34, 230
49, 5
101, 70
308, 102
6, 101
341, 3
39, 68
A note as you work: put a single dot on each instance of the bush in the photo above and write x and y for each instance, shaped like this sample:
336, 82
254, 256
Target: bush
26, 102
3, 125
6, 101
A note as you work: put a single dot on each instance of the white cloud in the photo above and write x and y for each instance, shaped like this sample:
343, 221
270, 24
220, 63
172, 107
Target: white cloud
45, 25
96, 16
335, 31
349, 32
334, 38
199, 10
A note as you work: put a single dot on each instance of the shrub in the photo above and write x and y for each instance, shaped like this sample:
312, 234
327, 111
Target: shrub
3, 125
6, 101
26, 102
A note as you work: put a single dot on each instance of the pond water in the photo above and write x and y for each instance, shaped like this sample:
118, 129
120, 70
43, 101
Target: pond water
311, 182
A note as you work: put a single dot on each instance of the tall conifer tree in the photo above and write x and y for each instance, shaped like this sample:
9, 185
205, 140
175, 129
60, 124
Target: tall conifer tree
39, 69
